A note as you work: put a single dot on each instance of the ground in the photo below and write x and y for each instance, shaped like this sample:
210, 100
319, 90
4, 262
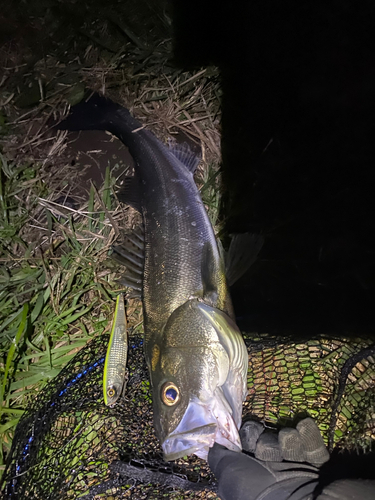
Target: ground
57, 283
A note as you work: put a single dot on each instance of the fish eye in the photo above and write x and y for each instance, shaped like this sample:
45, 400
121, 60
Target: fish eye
111, 392
170, 394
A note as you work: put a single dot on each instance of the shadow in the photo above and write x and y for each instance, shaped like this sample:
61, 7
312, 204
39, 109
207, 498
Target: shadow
348, 465
297, 113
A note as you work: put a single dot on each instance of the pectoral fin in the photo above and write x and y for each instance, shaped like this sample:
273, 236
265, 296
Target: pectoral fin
131, 255
213, 277
242, 253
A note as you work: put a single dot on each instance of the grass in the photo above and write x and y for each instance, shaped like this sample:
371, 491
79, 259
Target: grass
209, 178
56, 288
54, 297
55, 292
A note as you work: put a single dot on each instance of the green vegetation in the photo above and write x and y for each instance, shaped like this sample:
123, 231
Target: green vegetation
210, 191
53, 299
57, 287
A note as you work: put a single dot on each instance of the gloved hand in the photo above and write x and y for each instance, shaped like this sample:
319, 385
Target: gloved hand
278, 469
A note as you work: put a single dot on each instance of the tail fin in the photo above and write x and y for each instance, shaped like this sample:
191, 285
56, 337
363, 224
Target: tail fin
98, 113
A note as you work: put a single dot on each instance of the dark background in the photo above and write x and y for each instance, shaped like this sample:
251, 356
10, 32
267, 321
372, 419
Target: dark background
298, 153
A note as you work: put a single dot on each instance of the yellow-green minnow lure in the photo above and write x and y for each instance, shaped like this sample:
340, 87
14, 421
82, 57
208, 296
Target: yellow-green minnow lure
117, 353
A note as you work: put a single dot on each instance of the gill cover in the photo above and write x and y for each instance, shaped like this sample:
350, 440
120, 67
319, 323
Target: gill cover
214, 407
235, 386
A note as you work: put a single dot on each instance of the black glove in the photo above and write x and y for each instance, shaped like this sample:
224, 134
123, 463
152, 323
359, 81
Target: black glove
266, 476
279, 469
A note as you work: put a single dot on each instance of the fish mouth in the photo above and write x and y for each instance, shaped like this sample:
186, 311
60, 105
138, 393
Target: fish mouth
201, 426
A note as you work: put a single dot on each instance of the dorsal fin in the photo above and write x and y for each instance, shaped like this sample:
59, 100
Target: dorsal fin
130, 193
186, 156
130, 254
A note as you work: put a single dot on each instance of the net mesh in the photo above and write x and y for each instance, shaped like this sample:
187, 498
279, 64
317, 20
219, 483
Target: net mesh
70, 445
330, 379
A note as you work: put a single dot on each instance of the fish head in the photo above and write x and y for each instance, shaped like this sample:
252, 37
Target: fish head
199, 377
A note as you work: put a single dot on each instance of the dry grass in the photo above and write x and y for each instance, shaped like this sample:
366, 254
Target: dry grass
58, 285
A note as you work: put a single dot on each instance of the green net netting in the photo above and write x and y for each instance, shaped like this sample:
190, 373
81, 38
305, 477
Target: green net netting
70, 445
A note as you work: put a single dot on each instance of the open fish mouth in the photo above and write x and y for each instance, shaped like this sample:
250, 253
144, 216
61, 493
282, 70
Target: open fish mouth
201, 426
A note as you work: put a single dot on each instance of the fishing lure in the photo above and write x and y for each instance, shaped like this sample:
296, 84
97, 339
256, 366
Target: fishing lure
114, 379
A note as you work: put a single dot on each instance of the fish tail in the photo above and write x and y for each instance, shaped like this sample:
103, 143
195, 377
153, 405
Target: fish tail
99, 113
